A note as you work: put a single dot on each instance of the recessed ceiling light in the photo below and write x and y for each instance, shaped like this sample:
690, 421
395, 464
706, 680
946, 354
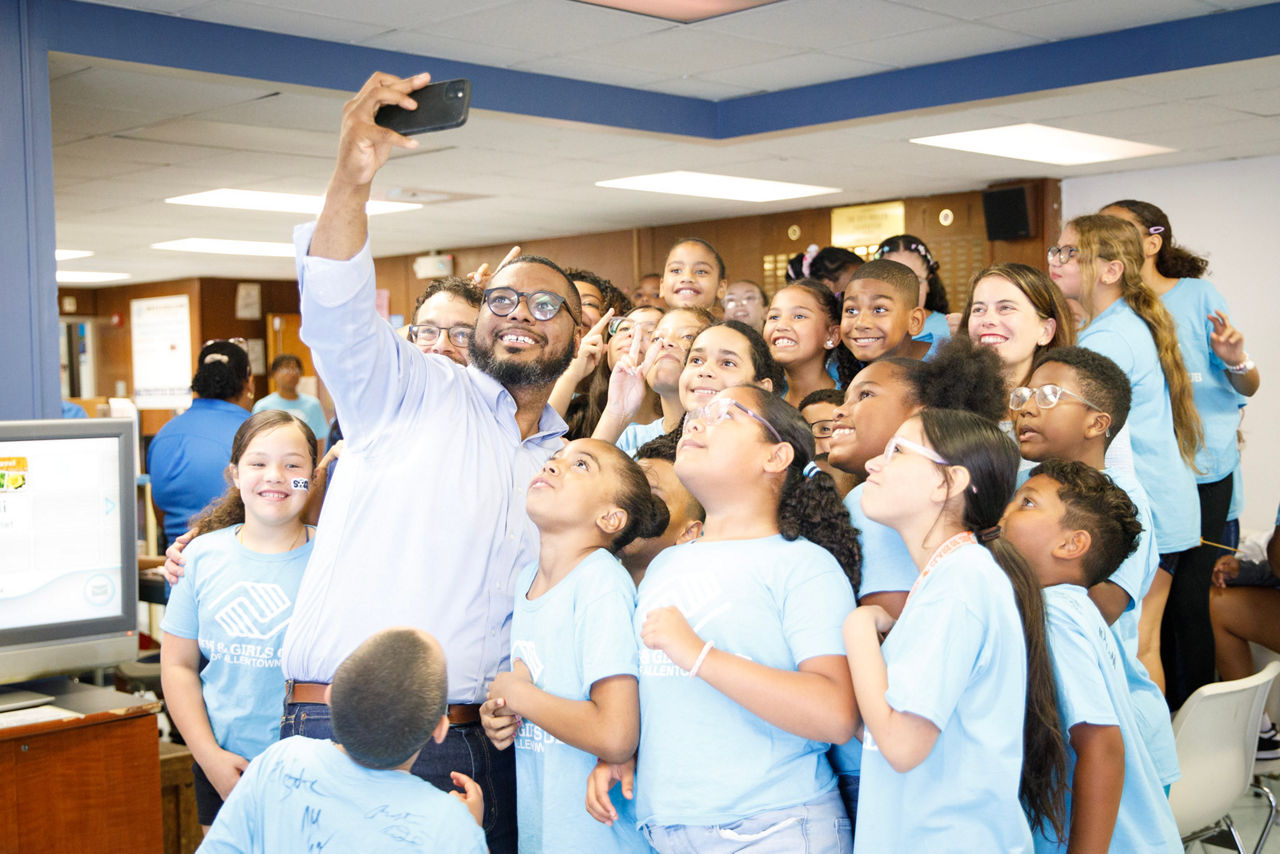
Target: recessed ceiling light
256, 200
708, 186
227, 247
1043, 144
80, 277
681, 11
70, 254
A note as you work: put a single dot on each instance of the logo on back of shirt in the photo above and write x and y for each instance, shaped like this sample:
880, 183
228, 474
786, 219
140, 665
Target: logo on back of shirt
252, 609
528, 653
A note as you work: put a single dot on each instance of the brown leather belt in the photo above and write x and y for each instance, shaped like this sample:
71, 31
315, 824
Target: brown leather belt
461, 714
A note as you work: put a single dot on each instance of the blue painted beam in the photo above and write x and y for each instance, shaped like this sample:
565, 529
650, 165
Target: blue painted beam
114, 33
29, 386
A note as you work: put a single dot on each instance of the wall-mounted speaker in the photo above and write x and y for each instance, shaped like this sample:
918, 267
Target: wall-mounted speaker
1006, 213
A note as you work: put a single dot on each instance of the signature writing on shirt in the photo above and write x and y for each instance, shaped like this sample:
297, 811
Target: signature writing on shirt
400, 829
310, 830
292, 780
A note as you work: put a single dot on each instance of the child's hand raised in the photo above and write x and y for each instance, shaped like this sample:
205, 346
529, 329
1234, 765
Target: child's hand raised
668, 630
590, 350
500, 723
627, 385
601, 780
1227, 341
471, 795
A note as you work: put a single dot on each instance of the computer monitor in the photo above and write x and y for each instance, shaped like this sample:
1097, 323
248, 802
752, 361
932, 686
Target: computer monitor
68, 546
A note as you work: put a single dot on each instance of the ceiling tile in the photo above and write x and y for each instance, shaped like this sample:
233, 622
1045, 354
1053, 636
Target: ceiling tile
126, 149
274, 19
973, 10
553, 24
428, 44
821, 24
939, 44
791, 71
596, 72
682, 51
117, 88
1066, 20
1265, 102
243, 137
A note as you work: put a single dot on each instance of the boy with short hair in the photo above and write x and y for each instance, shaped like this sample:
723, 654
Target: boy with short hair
1074, 527
881, 313
1091, 397
657, 459
818, 409
355, 793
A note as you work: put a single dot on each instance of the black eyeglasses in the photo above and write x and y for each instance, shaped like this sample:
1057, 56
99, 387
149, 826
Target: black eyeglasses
1059, 255
428, 334
821, 429
543, 305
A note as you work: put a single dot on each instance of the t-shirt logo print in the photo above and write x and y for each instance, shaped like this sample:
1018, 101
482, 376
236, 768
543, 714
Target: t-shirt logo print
528, 653
252, 609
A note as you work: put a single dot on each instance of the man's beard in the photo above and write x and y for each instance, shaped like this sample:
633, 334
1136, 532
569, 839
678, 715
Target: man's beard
513, 374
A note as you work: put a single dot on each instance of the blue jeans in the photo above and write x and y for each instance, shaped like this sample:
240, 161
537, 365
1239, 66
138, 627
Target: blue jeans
466, 749
818, 827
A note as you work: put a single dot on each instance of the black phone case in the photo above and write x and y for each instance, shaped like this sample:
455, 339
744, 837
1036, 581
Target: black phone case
441, 106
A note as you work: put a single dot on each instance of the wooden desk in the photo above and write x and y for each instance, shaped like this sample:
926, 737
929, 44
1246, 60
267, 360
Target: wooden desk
88, 785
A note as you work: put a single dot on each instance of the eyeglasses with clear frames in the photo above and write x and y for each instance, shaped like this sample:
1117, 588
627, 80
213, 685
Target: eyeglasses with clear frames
428, 334
543, 305
821, 429
897, 444
625, 325
1047, 397
1059, 255
719, 410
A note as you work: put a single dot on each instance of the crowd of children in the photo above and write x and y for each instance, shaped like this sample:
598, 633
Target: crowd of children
831, 575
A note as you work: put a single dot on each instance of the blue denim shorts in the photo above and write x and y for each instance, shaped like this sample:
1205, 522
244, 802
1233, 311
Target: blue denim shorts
820, 826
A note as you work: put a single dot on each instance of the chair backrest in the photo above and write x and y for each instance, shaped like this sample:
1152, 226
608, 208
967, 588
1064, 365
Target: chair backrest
1216, 732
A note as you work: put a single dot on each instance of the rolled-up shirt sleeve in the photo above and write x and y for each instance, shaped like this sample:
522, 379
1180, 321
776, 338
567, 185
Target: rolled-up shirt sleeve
368, 369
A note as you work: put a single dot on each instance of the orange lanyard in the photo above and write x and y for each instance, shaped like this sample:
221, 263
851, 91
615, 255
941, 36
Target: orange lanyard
963, 538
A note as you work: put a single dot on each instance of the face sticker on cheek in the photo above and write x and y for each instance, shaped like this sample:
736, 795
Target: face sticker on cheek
301, 483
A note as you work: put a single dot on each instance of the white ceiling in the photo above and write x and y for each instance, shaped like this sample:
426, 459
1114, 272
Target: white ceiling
126, 136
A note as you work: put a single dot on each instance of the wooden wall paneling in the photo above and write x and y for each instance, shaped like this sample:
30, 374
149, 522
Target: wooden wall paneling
218, 315
394, 274
610, 254
86, 301
961, 248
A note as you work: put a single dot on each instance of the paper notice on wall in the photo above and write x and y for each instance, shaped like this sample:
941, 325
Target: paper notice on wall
257, 349
160, 330
248, 301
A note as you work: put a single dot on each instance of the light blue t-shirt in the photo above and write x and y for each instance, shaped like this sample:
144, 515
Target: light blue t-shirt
1120, 335
305, 407
571, 637
236, 603
957, 657
887, 566
936, 331
305, 795
1092, 690
704, 759
1134, 576
636, 435
1191, 301
1237, 494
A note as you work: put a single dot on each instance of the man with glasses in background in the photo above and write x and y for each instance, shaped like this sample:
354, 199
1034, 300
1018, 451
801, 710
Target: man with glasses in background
426, 524
445, 318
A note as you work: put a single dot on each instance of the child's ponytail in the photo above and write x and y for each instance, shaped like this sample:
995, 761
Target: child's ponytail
809, 505
991, 459
647, 515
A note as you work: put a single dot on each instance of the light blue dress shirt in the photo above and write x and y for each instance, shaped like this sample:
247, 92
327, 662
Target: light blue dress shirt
425, 526
304, 795
1120, 335
1092, 690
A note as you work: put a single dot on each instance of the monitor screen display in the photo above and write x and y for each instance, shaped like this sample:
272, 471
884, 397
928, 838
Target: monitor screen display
68, 543
59, 531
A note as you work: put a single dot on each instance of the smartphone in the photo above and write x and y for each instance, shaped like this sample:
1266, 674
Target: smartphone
441, 106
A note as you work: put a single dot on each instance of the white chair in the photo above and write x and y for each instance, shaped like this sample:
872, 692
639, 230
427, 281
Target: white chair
1216, 732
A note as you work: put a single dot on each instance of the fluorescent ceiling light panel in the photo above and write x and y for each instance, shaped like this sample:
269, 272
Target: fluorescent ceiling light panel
78, 277
255, 200
70, 254
1043, 144
681, 11
211, 246
707, 186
